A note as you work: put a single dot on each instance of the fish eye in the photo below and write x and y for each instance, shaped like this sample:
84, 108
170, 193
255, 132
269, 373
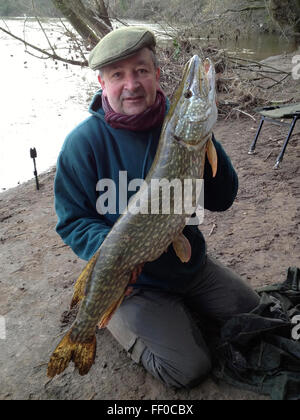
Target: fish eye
188, 94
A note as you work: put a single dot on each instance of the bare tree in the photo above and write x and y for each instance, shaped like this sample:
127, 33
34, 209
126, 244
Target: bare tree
91, 22
285, 13
89, 19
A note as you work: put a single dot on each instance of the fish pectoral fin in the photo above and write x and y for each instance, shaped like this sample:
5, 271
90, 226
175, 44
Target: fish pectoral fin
182, 248
109, 312
212, 156
80, 285
82, 354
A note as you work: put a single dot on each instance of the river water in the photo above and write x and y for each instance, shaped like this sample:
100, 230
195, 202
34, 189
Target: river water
254, 46
42, 101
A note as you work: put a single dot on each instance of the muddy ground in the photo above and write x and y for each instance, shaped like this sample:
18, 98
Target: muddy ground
259, 237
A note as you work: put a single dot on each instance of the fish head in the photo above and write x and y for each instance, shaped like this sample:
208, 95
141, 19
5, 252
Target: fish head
194, 111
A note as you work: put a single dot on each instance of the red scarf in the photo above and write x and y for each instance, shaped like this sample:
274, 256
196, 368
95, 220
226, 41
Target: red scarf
150, 118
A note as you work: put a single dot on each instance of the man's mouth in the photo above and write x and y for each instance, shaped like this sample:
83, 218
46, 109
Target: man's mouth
133, 98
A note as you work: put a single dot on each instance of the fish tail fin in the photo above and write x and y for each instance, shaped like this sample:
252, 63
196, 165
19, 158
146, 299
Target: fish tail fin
212, 157
61, 356
82, 354
80, 285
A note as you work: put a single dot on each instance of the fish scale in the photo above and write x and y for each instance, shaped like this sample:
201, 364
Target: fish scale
137, 238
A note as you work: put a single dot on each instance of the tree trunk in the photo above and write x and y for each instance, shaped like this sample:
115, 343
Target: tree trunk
91, 24
90, 18
103, 13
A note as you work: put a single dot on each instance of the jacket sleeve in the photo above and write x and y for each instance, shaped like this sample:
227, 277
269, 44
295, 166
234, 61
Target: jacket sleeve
79, 224
220, 191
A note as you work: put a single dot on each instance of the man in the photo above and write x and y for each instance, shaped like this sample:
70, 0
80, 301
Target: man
154, 323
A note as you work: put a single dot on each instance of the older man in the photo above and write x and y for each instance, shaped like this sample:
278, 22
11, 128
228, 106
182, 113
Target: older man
154, 323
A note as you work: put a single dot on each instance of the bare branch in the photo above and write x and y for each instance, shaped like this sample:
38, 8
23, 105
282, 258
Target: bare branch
42, 28
5, 24
245, 9
49, 55
243, 112
40, 57
74, 39
257, 63
278, 82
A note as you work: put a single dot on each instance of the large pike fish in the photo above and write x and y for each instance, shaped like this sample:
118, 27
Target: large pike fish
136, 237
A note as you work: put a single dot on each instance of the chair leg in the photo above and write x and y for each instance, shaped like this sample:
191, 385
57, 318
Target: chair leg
252, 147
280, 156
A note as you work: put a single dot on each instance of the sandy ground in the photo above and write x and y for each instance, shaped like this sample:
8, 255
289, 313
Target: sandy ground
259, 237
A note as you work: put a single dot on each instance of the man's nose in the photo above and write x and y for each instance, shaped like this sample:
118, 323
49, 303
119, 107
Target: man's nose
131, 82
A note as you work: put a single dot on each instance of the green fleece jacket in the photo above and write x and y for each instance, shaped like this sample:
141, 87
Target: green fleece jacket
94, 151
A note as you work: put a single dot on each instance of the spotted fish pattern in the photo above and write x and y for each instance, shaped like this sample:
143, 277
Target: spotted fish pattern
139, 238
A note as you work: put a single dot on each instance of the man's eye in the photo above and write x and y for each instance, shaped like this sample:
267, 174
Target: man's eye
116, 75
142, 71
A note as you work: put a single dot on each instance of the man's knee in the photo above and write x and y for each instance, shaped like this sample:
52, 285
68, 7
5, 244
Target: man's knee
187, 375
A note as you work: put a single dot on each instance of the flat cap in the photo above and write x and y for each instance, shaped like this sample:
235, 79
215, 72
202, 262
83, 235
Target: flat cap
119, 44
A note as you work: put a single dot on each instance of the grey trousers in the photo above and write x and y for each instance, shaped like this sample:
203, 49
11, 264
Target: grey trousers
157, 328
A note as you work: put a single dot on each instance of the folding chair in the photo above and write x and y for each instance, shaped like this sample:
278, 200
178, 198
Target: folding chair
274, 114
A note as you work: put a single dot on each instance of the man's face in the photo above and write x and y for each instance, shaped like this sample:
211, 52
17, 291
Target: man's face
131, 84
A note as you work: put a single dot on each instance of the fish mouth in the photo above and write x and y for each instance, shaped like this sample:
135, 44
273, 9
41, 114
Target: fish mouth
192, 66
194, 112
195, 83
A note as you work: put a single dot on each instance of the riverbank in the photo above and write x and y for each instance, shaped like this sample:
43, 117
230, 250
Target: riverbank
258, 237
43, 119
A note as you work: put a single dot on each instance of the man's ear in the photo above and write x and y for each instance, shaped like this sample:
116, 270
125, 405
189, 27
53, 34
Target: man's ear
102, 83
157, 76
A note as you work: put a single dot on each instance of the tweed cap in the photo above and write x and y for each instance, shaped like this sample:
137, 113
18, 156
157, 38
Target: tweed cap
119, 44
